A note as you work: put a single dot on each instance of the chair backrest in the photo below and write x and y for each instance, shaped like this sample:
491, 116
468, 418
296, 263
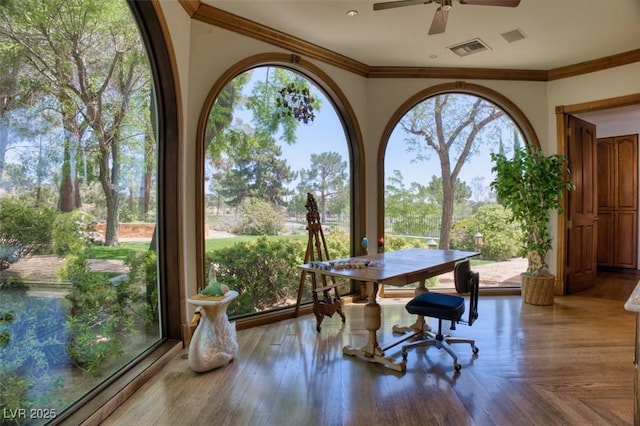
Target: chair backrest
468, 281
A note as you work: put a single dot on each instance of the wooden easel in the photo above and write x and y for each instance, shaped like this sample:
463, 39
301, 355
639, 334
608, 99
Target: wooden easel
317, 250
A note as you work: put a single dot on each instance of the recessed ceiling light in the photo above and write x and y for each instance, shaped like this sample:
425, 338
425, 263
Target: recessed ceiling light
352, 12
433, 56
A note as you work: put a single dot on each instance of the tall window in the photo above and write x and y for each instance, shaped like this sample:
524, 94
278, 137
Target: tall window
272, 136
78, 286
437, 179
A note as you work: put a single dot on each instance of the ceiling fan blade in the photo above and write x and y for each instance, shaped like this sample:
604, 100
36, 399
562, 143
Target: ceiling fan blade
401, 3
439, 22
505, 3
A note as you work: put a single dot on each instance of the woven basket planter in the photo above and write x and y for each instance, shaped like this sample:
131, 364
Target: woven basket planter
538, 290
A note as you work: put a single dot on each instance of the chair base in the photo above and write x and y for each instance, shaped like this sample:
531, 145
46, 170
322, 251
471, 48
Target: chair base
441, 342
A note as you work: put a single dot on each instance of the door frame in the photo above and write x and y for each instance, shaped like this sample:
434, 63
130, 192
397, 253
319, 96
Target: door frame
562, 111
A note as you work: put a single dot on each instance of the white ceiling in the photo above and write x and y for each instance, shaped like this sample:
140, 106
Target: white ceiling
559, 32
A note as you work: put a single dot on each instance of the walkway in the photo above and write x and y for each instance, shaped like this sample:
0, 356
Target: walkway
44, 270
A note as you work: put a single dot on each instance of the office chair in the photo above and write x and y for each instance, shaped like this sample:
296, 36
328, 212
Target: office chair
447, 307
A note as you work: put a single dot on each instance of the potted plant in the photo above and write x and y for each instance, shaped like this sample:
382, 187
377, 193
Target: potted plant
531, 185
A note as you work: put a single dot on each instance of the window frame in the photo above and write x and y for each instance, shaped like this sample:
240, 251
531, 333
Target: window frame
458, 87
354, 138
97, 404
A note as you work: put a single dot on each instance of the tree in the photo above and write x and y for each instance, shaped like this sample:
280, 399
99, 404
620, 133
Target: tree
435, 191
453, 126
265, 102
326, 178
92, 61
11, 96
257, 172
261, 101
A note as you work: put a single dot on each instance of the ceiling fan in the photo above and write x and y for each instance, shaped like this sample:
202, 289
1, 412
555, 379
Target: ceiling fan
439, 22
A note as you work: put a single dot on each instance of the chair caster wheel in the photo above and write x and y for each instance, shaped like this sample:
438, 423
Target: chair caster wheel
404, 356
457, 366
476, 350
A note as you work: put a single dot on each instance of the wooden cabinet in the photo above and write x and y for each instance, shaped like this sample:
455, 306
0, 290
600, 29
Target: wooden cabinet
618, 201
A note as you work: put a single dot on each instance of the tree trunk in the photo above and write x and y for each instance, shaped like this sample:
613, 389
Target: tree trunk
150, 154
113, 211
4, 142
109, 180
448, 185
66, 195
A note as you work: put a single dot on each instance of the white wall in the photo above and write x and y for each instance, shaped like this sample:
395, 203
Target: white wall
204, 53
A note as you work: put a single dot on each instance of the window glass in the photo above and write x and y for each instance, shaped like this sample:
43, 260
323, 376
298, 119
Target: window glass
78, 283
437, 185
272, 137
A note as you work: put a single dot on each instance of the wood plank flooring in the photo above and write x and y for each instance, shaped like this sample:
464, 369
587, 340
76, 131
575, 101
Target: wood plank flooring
566, 364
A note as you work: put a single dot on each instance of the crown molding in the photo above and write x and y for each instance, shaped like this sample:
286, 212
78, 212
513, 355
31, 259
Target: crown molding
600, 64
190, 6
229, 21
220, 18
457, 73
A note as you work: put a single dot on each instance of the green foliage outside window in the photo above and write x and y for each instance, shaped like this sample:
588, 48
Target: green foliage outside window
258, 217
24, 227
265, 272
100, 316
500, 235
143, 273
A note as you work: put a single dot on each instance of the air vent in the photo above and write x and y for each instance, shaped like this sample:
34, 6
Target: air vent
469, 47
513, 35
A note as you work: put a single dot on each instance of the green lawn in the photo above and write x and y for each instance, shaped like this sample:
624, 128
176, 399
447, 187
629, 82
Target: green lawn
122, 251
124, 248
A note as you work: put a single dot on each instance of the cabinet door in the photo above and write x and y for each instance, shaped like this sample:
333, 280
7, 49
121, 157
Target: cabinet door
606, 173
626, 172
605, 238
626, 248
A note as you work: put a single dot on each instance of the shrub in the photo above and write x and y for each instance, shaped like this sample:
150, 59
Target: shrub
264, 272
393, 243
66, 233
25, 227
100, 315
338, 244
143, 273
257, 217
500, 236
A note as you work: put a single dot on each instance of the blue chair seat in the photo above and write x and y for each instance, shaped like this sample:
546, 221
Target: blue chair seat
437, 305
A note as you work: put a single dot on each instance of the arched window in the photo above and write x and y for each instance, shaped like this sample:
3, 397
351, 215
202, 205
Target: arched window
437, 175
272, 134
84, 131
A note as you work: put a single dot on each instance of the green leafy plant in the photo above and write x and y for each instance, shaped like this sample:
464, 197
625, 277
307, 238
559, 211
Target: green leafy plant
100, 316
143, 273
24, 230
531, 186
257, 217
66, 232
264, 272
501, 235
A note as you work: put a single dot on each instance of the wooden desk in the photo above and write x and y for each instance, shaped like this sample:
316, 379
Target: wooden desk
397, 268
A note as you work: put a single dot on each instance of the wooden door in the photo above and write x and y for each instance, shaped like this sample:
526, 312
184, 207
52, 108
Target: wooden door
583, 205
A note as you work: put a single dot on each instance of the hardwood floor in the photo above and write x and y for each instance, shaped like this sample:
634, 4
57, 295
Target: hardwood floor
566, 364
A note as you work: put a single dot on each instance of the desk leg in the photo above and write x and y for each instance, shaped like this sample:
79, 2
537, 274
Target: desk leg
372, 320
420, 325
